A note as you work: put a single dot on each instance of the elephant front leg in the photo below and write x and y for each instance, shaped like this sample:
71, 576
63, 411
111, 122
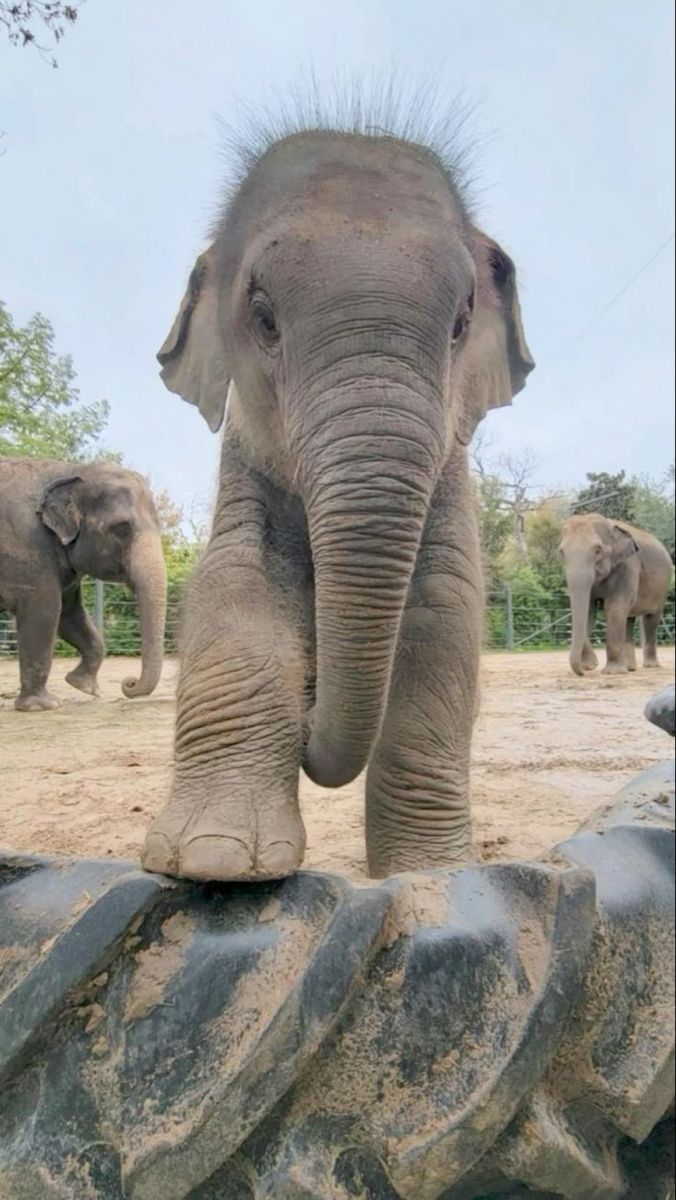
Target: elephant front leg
629, 648
589, 660
616, 639
417, 786
234, 813
36, 623
77, 628
651, 624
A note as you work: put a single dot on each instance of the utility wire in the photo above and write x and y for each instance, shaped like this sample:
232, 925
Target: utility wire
554, 494
614, 299
597, 500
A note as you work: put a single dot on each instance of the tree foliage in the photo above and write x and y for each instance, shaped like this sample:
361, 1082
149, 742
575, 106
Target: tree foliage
655, 508
611, 495
543, 537
640, 500
495, 522
532, 557
38, 23
41, 415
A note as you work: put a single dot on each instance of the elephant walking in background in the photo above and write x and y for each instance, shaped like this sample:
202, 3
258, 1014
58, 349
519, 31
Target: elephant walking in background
629, 572
58, 522
360, 325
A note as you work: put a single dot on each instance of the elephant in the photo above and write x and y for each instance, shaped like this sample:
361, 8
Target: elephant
60, 521
629, 572
349, 326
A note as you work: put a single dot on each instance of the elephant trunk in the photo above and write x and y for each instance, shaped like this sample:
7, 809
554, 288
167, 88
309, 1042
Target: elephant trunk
366, 499
149, 580
579, 590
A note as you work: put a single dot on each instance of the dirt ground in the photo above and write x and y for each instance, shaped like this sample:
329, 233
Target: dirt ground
549, 748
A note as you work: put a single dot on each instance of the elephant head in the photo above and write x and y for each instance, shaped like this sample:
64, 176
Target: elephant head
592, 547
360, 325
105, 520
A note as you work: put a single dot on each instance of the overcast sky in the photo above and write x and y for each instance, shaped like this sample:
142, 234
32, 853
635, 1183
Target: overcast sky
112, 166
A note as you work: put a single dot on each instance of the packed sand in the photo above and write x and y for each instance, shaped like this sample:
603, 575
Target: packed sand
85, 779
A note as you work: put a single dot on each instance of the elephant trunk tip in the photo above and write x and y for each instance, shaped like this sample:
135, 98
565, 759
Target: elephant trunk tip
576, 666
132, 688
327, 769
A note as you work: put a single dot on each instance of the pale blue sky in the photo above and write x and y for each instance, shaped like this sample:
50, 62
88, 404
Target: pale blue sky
111, 172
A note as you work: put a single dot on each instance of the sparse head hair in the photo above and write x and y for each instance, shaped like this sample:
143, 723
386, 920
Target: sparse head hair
375, 107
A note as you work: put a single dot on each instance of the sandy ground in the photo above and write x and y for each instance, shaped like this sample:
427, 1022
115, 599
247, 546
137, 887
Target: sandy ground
549, 748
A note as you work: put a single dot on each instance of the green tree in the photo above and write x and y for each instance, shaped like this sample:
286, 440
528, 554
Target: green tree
543, 537
495, 523
180, 555
495, 519
170, 517
655, 509
531, 601
41, 415
611, 495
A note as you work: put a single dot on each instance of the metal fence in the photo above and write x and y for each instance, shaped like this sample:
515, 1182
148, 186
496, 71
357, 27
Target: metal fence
514, 621
529, 621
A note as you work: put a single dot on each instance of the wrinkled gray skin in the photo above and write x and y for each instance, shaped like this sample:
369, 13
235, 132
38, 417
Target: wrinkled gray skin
335, 619
58, 522
625, 569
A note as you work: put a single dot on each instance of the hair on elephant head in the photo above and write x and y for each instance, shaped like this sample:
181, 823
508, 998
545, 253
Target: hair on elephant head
393, 119
358, 325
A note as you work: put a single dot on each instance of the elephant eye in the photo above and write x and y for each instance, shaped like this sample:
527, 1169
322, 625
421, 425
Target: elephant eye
461, 323
121, 529
264, 320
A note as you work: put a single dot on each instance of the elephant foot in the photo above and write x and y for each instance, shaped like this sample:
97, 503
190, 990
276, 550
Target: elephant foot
589, 661
84, 681
38, 702
651, 665
614, 668
219, 840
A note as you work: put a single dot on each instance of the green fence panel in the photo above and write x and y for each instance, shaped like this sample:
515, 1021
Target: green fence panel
538, 622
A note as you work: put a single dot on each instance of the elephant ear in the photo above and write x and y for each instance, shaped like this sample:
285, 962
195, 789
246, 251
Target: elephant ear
59, 509
495, 360
191, 356
624, 545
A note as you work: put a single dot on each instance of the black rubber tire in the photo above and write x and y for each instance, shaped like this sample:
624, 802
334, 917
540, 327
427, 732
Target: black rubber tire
498, 1030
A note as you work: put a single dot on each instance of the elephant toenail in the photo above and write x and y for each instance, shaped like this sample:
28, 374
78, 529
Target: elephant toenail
159, 854
279, 859
210, 857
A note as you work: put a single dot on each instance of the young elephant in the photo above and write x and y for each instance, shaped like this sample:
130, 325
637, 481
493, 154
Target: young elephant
628, 571
58, 522
366, 326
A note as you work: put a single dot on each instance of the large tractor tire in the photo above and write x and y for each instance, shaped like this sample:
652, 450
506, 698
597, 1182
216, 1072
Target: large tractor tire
503, 1030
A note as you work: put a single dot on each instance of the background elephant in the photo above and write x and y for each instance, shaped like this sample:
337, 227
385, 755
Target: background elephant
335, 620
628, 571
58, 522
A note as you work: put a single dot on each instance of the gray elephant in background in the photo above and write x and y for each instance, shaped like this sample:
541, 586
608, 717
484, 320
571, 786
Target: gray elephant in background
60, 521
361, 325
629, 572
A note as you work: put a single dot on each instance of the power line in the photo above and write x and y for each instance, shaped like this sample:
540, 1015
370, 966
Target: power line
555, 494
614, 299
596, 500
